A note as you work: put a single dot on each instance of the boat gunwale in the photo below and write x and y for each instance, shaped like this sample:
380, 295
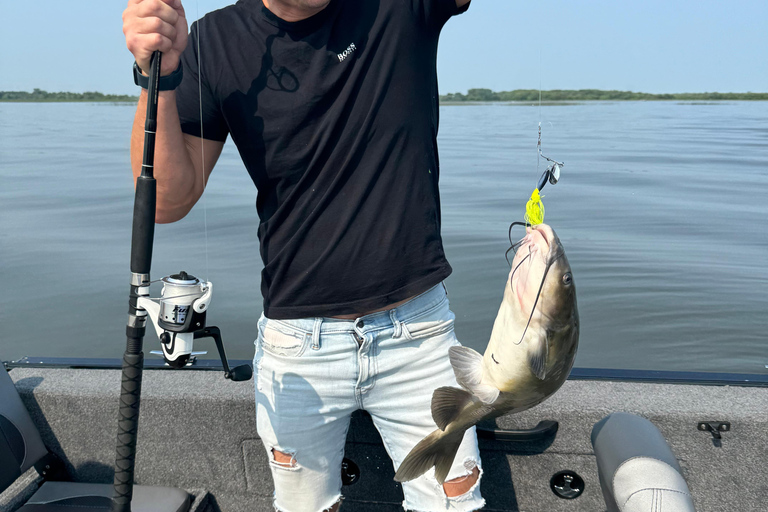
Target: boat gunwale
588, 374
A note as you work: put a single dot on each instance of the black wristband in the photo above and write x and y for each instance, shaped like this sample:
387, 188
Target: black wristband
167, 83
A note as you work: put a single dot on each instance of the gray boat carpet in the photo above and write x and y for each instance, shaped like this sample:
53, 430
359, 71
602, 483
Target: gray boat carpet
197, 431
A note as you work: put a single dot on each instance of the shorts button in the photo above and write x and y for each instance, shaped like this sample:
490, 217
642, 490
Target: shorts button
360, 324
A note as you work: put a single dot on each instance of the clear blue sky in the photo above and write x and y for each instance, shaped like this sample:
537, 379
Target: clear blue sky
642, 45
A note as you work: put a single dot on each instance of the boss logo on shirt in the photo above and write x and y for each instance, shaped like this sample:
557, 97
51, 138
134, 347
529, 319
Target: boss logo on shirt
351, 48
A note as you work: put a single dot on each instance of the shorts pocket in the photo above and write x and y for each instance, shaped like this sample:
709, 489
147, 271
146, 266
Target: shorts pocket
281, 340
435, 323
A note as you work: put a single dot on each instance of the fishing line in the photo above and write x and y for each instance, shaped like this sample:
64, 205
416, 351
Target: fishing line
534, 208
539, 143
202, 137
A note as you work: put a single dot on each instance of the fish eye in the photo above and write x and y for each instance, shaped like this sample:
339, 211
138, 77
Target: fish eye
567, 278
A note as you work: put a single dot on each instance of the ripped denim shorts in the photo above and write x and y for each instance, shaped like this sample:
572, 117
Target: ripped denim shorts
311, 374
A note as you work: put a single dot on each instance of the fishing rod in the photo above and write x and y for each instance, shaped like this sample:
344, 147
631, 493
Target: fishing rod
178, 315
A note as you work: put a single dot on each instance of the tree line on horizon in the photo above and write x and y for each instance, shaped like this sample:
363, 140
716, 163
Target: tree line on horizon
39, 95
481, 95
527, 95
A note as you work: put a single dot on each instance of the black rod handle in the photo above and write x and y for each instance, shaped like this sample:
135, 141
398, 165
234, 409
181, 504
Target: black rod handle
544, 430
127, 430
150, 124
146, 188
143, 235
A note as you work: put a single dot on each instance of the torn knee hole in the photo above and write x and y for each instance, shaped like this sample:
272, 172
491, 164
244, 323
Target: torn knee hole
335, 506
284, 459
462, 484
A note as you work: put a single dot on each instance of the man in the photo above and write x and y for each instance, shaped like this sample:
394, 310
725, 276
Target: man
333, 107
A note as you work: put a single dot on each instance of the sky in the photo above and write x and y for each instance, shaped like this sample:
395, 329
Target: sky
656, 46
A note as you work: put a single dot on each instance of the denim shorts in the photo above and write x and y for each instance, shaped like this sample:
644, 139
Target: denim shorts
311, 374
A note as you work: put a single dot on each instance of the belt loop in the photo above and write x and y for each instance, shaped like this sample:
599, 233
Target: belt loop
316, 333
398, 326
445, 288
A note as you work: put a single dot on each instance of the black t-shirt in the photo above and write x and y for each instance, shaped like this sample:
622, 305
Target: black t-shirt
335, 118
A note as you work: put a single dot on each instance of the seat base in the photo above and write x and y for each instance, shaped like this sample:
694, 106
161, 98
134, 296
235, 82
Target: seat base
84, 497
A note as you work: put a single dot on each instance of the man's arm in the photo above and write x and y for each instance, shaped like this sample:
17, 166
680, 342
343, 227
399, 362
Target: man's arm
461, 3
180, 170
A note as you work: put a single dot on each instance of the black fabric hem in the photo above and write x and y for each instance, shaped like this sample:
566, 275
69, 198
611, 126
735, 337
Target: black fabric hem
446, 10
454, 10
370, 304
193, 128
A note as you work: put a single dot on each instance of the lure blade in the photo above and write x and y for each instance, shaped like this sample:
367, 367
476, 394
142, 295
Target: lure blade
554, 174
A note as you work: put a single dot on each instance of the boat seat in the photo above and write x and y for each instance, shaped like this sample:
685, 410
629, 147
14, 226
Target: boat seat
638, 471
21, 448
64, 496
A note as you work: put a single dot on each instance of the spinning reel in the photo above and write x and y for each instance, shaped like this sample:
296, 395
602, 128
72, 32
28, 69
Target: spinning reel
179, 319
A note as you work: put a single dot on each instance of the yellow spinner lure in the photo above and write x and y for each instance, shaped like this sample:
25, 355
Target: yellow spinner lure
534, 209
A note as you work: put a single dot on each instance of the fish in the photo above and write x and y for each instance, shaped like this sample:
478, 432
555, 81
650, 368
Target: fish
529, 355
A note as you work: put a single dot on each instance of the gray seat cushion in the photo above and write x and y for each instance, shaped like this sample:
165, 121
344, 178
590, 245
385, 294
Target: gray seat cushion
74, 496
20, 443
638, 471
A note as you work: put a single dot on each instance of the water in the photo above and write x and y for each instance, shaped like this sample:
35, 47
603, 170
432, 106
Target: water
662, 208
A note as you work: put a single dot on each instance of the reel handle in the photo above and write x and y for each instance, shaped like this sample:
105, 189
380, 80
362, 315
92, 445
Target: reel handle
237, 374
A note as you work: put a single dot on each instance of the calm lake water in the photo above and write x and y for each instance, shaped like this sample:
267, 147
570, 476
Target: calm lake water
662, 208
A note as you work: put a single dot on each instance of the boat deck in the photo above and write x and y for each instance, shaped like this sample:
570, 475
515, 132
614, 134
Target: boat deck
197, 431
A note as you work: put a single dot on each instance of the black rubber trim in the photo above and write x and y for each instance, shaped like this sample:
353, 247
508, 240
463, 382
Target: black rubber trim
544, 430
671, 377
594, 374
154, 363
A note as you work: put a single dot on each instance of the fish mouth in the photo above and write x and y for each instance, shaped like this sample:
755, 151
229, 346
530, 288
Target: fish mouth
554, 249
540, 243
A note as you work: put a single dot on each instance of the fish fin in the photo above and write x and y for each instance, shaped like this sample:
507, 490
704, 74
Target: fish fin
468, 368
447, 404
437, 449
486, 393
537, 358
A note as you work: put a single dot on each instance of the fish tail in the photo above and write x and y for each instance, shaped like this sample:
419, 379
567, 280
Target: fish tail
438, 449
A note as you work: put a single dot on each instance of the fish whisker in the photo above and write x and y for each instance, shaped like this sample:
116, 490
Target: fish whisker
538, 295
518, 266
515, 246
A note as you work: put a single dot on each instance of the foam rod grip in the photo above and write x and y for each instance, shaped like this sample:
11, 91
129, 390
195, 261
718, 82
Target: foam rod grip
143, 225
